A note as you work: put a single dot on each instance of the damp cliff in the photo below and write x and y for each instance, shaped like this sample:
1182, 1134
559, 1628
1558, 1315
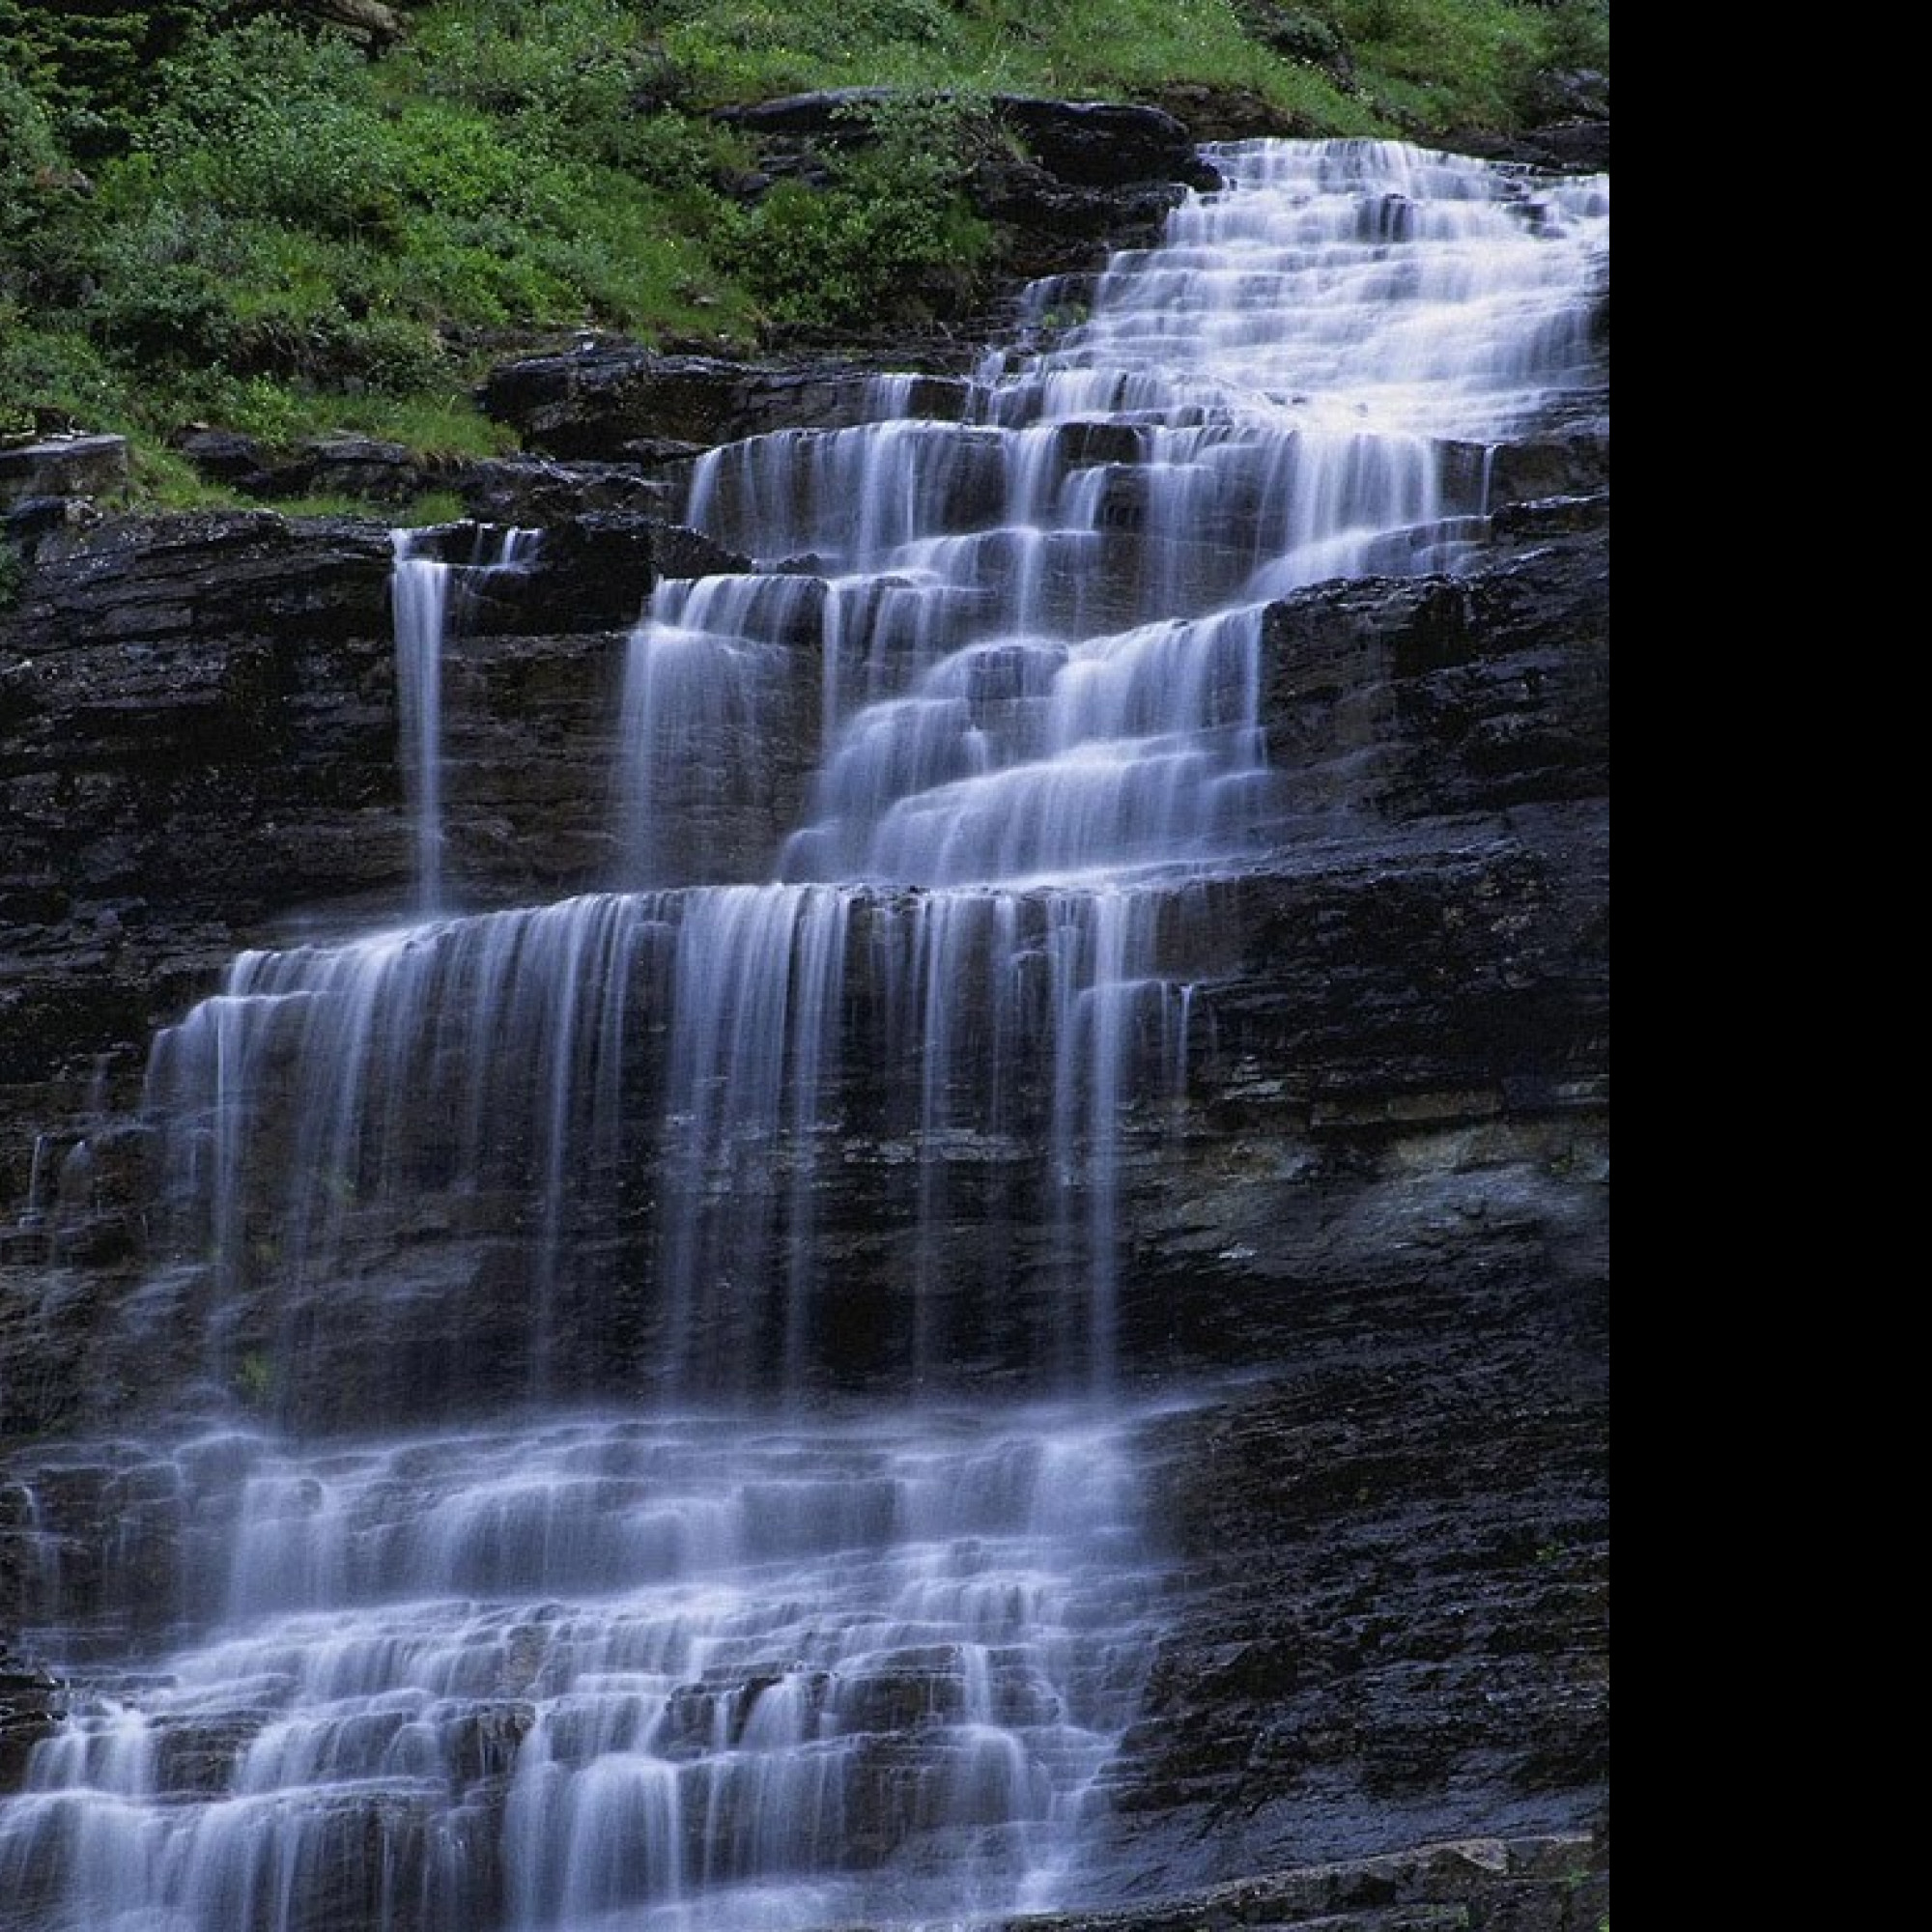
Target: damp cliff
1251, 1079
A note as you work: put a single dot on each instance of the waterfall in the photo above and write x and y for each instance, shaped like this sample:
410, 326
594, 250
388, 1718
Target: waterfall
428, 598
668, 1453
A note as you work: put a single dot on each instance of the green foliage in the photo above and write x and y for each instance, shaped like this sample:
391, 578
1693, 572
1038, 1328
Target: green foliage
221, 210
32, 163
1434, 65
424, 512
265, 121
891, 227
1579, 33
91, 61
739, 49
169, 481
567, 77
55, 369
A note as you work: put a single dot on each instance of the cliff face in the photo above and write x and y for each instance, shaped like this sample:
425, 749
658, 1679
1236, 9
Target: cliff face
1382, 1190
1364, 1204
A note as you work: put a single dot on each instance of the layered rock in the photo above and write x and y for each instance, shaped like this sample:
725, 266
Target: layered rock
1361, 1192
57, 467
624, 401
1097, 144
1383, 1174
200, 735
1543, 1884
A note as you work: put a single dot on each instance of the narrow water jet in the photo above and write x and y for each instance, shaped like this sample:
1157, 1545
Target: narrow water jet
428, 599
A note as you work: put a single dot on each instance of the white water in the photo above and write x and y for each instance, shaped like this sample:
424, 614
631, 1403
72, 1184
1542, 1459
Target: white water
718, 1662
428, 595
669, 1665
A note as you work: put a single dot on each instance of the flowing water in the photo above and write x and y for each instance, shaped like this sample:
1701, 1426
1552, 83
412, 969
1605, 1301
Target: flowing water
639, 1548
428, 595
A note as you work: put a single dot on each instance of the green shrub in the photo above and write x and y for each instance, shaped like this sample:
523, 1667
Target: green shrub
571, 77
32, 162
92, 63
265, 121
890, 229
56, 368
1435, 65
1578, 32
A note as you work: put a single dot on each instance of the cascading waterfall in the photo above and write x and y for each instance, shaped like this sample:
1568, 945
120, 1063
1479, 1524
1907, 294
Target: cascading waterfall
704, 1609
682, 1672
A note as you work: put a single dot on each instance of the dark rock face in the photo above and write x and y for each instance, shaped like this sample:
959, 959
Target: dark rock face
1574, 145
198, 741
1394, 1120
1378, 1197
626, 402
1542, 1883
1048, 226
29, 1706
1086, 143
1099, 144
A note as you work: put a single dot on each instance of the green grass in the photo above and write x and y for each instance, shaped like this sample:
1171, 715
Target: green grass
208, 212
1434, 65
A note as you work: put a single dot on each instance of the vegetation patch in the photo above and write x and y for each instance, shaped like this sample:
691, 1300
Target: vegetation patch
230, 211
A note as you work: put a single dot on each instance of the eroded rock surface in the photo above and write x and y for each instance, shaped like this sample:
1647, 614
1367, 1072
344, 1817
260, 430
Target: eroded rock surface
1366, 1227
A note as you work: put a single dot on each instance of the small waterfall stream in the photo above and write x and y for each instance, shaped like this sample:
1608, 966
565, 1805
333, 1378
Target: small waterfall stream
610, 1548
428, 594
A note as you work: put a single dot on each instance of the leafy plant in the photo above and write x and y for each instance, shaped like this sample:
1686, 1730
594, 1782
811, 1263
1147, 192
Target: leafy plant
1447, 64
890, 229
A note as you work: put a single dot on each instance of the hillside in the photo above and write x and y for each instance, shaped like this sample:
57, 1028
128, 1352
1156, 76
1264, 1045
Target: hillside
338, 216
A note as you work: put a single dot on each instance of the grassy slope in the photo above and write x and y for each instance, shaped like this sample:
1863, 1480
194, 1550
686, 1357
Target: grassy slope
211, 210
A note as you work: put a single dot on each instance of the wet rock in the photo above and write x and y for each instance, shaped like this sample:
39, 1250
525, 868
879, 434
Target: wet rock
35, 522
1569, 460
1579, 145
1046, 225
1103, 144
1211, 113
361, 467
227, 455
596, 404
364, 469
30, 1705
1520, 1885
1379, 1176
65, 466
1425, 697
198, 735
201, 738
536, 493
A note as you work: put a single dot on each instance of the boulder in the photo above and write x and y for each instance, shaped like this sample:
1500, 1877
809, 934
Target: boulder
63, 465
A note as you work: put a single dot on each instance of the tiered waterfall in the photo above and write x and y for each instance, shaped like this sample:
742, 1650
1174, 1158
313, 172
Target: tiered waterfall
577, 1523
